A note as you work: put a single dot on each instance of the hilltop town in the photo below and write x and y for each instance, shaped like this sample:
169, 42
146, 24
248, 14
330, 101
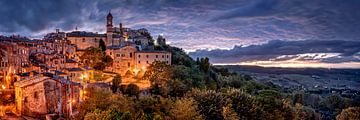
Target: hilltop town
50, 75
127, 74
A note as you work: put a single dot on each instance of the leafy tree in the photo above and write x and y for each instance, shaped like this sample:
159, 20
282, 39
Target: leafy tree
185, 109
204, 64
158, 73
211, 103
132, 90
305, 113
115, 83
155, 105
245, 106
229, 113
103, 100
102, 45
91, 56
351, 113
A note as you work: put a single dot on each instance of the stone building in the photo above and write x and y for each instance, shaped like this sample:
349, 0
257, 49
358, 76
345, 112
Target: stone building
144, 58
38, 96
129, 58
123, 58
80, 75
83, 39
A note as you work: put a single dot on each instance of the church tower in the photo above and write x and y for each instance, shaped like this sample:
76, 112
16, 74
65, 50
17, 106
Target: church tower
109, 29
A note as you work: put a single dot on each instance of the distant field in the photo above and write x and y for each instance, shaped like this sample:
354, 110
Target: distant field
308, 78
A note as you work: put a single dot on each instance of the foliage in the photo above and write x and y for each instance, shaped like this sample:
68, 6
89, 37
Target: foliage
245, 106
185, 109
190, 89
351, 113
96, 58
115, 83
91, 56
102, 45
211, 103
132, 90
158, 73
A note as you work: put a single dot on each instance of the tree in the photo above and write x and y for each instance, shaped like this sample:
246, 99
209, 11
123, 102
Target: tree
244, 105
102, 45
351, 113
115, 83
205, 64
158, 73
132, 90
91, 56
211, 103
185, 109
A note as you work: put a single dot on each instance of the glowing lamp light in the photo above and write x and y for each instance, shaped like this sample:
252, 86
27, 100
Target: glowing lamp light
136, 71
72, 101
143, 68
3, 87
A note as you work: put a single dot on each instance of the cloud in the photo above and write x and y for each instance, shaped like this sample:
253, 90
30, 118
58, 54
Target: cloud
192, 24
277, 50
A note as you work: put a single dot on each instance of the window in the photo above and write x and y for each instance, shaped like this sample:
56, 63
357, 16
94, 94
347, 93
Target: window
83, 40
139, 56
162, 56
25, 100
131, 55
147, 62
128, 64
167, 56
157, 56
36, 96
110, 53
139, 62
147, 56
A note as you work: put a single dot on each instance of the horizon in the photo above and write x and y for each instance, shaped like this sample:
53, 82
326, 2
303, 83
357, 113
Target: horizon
203, 28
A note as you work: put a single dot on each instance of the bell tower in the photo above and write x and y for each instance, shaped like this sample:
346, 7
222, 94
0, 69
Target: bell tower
109, 29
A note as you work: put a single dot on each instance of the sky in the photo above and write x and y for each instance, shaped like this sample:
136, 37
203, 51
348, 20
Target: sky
205, 27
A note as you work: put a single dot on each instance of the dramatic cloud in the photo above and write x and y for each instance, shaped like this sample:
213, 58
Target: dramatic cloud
334, 51
192, 24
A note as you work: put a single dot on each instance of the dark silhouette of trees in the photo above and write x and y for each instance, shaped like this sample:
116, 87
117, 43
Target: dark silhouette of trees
102, 45
116, 83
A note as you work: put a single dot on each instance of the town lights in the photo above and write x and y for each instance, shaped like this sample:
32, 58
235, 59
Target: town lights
136, 71
3, 87
143, 68
72, 101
